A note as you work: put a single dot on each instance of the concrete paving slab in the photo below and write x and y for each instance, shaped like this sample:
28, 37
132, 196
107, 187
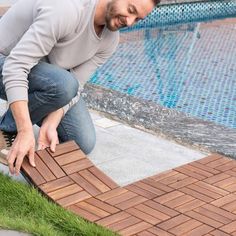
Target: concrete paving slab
106, 123
125, 170
12, 233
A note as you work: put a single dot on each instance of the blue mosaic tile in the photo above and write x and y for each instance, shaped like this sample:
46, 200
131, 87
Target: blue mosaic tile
188, 67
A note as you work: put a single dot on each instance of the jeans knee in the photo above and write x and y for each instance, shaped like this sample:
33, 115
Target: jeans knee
66, 88
87, 144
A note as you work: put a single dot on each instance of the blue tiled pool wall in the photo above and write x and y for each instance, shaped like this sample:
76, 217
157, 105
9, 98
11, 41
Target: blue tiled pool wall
189, 67
187, 12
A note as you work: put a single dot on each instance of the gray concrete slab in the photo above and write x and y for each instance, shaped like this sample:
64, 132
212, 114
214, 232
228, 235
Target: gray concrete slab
12, 233
127, 154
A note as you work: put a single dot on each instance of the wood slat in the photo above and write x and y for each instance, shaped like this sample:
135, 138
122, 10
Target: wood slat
77, 166
56, 184
104, 178
134, 229
32, 173
51, 163
74, 198
64, 192
64, 148
102, 205
88, 187
43, 169
86, 174
70, 157
83, 213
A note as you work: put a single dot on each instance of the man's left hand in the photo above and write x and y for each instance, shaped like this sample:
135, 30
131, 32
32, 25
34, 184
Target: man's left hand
48, 136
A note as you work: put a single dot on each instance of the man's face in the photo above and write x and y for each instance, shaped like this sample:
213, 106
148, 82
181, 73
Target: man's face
122, 13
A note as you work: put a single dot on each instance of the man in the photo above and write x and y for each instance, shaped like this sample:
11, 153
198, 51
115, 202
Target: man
48, 48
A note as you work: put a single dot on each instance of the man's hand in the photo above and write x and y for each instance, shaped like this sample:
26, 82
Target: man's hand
48, 132
23, 145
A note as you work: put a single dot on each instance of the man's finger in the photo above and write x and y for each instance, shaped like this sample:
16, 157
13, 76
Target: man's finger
53, 145
31, 157
18, 164
11, 157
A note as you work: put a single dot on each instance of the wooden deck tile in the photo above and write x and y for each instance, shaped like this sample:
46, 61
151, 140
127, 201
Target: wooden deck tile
195, 199
51, 163
155, 231
64, 148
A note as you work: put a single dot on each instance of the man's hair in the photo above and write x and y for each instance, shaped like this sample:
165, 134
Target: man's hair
156, 2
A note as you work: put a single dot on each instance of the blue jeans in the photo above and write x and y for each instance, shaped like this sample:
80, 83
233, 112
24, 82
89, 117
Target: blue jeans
50, 88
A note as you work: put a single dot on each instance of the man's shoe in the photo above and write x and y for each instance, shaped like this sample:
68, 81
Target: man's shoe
6, 140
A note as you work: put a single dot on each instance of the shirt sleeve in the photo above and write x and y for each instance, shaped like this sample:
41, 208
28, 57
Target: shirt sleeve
84, 71
50, 24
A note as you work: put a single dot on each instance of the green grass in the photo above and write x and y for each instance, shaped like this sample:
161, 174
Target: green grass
23, 208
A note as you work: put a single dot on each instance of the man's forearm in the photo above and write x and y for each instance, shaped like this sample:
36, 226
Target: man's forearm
21, 115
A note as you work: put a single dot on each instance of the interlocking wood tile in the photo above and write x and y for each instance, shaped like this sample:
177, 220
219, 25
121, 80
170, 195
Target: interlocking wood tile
157, 185
204, 219
131, 202
45, 172
140, 191
104, 178
191, 172
114, 218
32, 173
102, 205
123, 224
64, 192
173, 222
56, 184
77, 166
164, 175
210, 158
155, 231
68, 158
64, 148
134, 229
227, 202
199, 231
217, 178
188, 206
219, 162
204, 168
219, 233
183, 183
229, 228
74, 198
184, 228
51, 163
194, 199
84, 213
192, 191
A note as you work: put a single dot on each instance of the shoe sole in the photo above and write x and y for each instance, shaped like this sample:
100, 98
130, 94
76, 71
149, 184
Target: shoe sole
3, 149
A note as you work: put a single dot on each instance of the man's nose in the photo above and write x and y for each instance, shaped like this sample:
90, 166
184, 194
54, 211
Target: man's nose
130, 20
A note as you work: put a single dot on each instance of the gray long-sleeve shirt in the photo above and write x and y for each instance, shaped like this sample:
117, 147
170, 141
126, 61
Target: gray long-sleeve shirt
63, 31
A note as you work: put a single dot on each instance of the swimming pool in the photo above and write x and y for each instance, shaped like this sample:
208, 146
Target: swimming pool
175, 76
189, 67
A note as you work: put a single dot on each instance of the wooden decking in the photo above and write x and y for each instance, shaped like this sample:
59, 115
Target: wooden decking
195, 199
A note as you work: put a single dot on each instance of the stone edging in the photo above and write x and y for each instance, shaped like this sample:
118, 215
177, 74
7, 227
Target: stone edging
170, 123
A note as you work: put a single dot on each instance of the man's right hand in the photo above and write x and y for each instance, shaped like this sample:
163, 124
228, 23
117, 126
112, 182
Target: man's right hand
23, 145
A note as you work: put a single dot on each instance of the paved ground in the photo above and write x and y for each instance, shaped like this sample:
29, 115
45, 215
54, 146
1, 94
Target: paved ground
127, 155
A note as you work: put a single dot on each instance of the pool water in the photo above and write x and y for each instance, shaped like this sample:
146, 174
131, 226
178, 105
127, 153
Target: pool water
189, 67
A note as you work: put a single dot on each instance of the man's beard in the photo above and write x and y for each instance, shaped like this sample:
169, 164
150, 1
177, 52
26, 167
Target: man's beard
112, 16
